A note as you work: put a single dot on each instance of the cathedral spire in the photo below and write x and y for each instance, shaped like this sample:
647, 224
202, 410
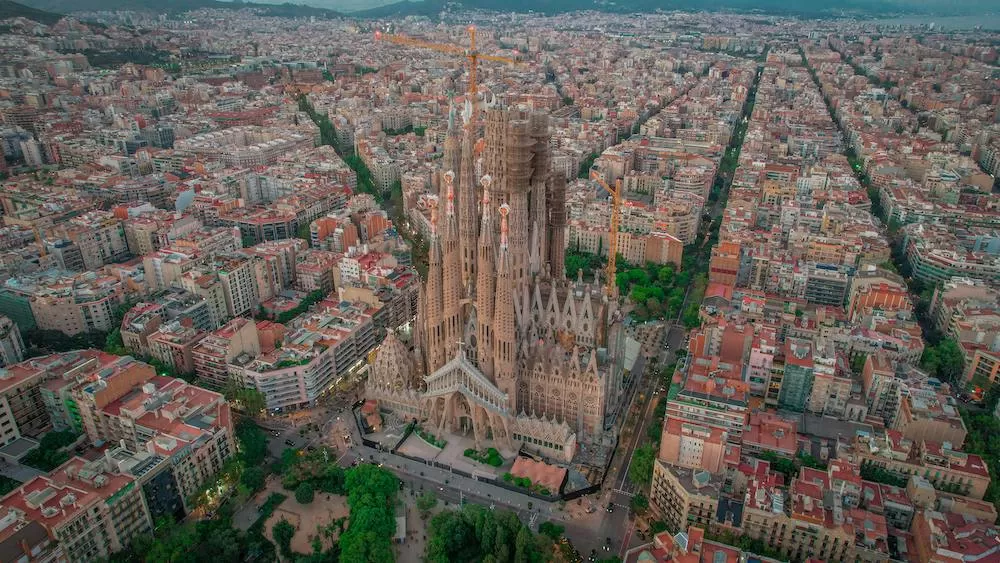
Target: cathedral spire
467, 199
504, 333
451, 277
434, 302
485, 284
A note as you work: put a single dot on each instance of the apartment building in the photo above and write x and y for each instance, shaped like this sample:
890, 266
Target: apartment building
330, 344
957, 295
945, 468
796, 384
713, 402
928, 415
768, 432
22, 410
881, 388
239, 284
128, 403
98, 237
935, 253
173, 343
245, 146
874, 288
682, 497
69, 303
22, 539
213, 354
315, 271
953, 538
693, 446
207, 286
89, 512
166, 266
11, 344
138, 324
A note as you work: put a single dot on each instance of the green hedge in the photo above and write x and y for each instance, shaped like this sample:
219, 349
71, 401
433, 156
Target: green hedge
490, 457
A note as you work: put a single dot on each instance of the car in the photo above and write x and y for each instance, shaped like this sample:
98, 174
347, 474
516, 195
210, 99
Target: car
289, 443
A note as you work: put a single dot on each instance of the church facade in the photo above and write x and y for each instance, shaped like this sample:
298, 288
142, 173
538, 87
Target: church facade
505, 348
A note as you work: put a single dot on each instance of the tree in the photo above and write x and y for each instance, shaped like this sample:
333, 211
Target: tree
951, 360
522, 545
253, 442
253, 478
426, 502
944, 361
554, 531
641, 470
929, 360
371, 496
114, 344
475, 533
304, 233
655, 431
283, 532
304, 494
858, 364
639, 503
246, 399
50, 452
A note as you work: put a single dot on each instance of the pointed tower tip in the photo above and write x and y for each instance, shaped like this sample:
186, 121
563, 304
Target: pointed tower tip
504, 212
449, 182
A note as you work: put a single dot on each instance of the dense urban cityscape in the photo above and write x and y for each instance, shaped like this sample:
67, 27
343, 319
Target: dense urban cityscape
449, 284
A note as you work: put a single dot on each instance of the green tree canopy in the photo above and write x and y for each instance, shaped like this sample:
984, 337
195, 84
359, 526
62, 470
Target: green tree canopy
283, 532
426, 501
641, 470
304, 494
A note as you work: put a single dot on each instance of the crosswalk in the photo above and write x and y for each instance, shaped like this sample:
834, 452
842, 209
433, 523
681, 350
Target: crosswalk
629, 494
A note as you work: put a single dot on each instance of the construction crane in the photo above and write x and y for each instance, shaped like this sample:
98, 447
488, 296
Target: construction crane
38, 239
471, 54
616, 209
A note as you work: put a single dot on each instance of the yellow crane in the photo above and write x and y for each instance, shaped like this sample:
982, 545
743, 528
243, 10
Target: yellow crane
616, 207
471, 54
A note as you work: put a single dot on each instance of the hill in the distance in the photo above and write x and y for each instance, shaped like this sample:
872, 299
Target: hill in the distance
10, 9
776, 7
286, 9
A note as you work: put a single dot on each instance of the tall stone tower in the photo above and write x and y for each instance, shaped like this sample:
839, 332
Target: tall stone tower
451, 278
504, 331
509, 157
486, 278
433, 303
556, 206
452, 150
467, 215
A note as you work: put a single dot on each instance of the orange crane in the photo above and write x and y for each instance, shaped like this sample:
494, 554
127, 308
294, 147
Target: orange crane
38, 239
616, 208
471, 54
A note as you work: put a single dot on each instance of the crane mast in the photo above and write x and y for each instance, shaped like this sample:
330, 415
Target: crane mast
616, 204
471, 55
